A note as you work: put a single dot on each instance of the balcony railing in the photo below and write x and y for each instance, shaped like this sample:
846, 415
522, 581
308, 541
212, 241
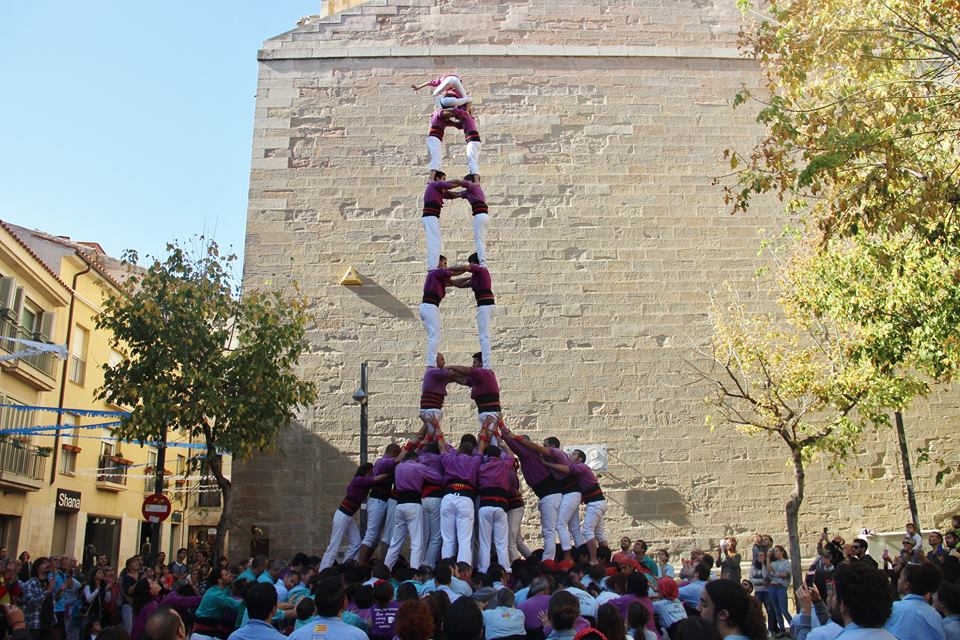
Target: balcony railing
43, 362
112, 472
206, 496
21, 465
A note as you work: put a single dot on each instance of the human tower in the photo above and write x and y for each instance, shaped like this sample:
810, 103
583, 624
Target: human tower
429, 492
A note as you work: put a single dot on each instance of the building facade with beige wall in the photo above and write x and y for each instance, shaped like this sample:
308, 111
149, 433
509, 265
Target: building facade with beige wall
71, 487
603, 125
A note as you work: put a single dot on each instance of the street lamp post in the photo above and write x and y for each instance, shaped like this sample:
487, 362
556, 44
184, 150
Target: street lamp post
360, 397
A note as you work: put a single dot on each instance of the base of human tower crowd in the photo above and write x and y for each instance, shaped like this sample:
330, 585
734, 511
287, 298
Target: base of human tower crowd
457, 508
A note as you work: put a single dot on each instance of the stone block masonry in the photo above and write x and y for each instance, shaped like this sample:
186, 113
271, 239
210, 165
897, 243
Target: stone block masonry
603, 124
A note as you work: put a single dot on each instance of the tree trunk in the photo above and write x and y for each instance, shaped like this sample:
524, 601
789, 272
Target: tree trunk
215, 464
793, 513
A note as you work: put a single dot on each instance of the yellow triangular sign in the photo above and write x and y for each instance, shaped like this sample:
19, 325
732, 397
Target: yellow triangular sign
351, 278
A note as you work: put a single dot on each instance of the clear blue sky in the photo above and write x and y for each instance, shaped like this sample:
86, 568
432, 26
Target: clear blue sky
130, 123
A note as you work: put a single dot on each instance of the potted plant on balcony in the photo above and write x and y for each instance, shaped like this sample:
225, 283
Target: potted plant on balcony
44, 452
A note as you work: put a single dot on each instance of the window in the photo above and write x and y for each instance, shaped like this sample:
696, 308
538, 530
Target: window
150, 481
112, 467
69, 448
78, 355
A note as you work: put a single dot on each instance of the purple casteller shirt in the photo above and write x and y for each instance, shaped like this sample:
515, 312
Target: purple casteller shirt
381, 489
435, 286
473, 194
460, 467
432, 460
482, 286
538, 475
484, 389
434, 388
434, 194
494, 473
438, 124
356, 493
411, 476
586, 478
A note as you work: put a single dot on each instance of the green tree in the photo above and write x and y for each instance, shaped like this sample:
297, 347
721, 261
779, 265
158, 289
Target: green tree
791, 377
861, 109
204, 360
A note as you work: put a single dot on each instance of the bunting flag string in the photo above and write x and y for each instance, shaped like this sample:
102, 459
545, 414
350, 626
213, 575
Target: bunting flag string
34, 348
37, 430
92, 413
180, 445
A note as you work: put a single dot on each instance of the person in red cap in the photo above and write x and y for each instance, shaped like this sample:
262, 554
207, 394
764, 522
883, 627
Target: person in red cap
668, 610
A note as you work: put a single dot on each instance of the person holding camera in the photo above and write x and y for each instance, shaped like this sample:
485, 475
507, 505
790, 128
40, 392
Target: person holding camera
729, 559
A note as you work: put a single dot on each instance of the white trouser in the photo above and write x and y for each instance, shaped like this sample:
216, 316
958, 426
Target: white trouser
549, 507
446, 83
376, 514
431, 531
343, 525
568, 512
484, 319
408, 522
448, 102
480, 222
435, 149
490, 418
456, 527
493, 526
431, 233
430, 314
431, 417
473, 157
593, 514
387, 534
516, 548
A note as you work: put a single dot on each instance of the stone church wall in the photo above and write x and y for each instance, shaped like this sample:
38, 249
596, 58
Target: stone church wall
603, 123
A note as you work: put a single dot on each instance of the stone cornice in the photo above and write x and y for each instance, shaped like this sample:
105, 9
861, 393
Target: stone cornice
302, 51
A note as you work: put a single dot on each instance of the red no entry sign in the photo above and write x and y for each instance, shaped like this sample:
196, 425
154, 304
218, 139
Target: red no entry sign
156, 508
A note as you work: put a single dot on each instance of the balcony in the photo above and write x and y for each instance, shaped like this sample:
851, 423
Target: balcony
37, 370
21, 466
205, 495
112, 474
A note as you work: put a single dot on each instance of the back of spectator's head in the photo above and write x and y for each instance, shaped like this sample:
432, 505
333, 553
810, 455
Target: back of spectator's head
741, 608
259, 562
164, 624
702, 571
306, 608
504, 598
443, 574
920, 579
329, 597
414, 621
865, 593
406, 591
637, 615
363, 598
538, 585
463, 620
261, 600
564, 610
708, 560
695, 628
383, 592
380, 572
947, 599
638, 585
